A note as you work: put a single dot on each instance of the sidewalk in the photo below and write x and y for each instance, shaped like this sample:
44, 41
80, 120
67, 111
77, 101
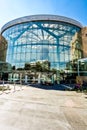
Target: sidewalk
39, 109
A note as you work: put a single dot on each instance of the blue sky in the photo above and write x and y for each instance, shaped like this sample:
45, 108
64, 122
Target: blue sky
11, 9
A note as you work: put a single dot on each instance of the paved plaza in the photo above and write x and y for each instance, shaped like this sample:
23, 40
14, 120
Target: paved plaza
40, 109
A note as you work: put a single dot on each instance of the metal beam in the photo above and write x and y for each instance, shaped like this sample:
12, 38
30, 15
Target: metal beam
45, 29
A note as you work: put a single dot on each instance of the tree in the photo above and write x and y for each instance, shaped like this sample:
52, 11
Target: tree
27, 66
38, 66
14, 68
46, 66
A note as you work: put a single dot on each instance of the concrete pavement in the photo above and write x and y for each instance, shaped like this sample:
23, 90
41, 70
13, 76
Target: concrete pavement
38, 109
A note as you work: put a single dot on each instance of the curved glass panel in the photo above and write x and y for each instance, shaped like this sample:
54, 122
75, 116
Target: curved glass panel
32, 42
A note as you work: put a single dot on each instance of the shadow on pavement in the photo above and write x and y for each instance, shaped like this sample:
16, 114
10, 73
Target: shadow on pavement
49, 87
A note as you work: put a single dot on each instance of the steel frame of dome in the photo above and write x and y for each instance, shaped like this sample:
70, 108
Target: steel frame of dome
50, 36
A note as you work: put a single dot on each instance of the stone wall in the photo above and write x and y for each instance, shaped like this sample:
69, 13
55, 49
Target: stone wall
84, 41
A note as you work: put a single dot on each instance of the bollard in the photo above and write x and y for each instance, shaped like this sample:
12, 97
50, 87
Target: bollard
20, 85
3, 87
14, 86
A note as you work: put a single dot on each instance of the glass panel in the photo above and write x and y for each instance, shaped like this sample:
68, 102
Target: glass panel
41, 41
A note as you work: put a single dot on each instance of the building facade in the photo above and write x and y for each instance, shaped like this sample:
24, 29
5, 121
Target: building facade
42, 47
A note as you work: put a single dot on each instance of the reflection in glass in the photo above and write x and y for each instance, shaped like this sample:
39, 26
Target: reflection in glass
38, 42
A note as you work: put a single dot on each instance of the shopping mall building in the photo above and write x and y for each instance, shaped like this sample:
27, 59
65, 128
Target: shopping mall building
41, 48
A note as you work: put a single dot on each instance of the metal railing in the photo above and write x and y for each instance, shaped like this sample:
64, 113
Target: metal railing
8, 87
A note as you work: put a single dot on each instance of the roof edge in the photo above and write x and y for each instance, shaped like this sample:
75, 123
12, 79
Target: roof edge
39, 17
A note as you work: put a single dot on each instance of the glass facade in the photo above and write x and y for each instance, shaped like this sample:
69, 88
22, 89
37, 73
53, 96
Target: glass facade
47, 44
